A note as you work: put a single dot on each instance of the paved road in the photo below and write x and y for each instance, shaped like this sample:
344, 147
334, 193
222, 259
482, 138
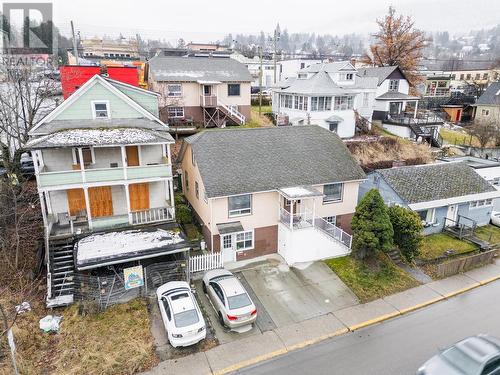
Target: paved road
398, 346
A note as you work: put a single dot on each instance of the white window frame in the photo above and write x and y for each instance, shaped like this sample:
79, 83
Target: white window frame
223, 242
239, 212
331, 219
366, 99
343, 103
480, 203
244, 233
328, 201
176, 109
171, 93
393, 85
94, 112
430, 220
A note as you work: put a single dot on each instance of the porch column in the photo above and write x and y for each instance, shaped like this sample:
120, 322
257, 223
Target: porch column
41, 196
87, 206
124, 161
172, 202
82, 167
314, 211
291, 214
169, 154
127, 197
416, 107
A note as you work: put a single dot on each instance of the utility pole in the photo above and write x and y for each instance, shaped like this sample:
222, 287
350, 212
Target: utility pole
260, 81
276, 37
75, 47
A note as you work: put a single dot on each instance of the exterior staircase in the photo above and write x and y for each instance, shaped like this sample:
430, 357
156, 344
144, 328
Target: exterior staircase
61, 273
232, 113
395, 256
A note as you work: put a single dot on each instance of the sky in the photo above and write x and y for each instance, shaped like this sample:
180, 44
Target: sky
203, 21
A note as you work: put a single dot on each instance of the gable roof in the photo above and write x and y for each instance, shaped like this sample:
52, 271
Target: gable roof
491, 96
240, 161
380, 72
330, 67
430, 182
44, 125
193, 69
320, 83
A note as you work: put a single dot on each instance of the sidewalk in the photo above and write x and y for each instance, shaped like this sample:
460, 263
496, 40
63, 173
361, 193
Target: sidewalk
227, 358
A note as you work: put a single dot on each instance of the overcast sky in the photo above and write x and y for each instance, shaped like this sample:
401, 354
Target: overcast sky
209, 20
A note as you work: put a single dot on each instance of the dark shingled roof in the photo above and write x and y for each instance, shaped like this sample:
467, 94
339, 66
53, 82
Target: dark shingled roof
380, 72
424, 183
491, 96
240, 161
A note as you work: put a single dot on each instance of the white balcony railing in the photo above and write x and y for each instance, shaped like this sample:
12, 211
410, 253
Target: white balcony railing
296, 220
333, 231
151, 215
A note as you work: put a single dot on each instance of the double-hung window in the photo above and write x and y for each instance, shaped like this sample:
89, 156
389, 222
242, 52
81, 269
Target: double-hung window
174, 90
239, 205
100, 109
427, 216
332, 192
321, 103
244, 240
343, 103
393, 85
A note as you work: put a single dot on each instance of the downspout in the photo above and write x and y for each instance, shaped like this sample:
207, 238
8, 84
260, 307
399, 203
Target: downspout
211, 234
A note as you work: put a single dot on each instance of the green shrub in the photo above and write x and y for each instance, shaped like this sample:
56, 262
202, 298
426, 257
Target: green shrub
183, 214
407, 227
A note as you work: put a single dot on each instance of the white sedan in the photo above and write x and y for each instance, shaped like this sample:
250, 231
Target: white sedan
231, 301
181, 314
495, 218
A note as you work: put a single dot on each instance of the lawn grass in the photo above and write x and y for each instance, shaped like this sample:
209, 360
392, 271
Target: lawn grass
371, 280
434, 246
257, 121
116, 341
489, 233
454, 137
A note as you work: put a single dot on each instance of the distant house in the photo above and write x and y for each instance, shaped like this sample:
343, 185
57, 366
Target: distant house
326, 94
487, 107
443, 194
102, 164
201, 90
289, 68
290, 190
397, 110
254, 66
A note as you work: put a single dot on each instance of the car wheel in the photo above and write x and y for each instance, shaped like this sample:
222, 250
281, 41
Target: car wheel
221, 320
204, 288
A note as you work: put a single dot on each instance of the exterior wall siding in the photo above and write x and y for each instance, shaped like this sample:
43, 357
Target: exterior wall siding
149, 102
265, 242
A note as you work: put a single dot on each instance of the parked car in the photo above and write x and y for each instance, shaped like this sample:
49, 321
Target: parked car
495, 218
231, 301
181, 314
476, 355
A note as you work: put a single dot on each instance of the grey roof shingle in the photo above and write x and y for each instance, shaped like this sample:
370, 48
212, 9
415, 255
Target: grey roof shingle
380, 72
396, 95
192, 69
240, 161
491, 96
320, 83
425, 183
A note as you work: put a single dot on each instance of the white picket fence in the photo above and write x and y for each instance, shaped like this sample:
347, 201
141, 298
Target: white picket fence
205, 262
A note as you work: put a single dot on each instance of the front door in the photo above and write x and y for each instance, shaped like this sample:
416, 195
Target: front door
101, 201
132, 156
451, 214
76, 201
228, 248
207, 90
139, 196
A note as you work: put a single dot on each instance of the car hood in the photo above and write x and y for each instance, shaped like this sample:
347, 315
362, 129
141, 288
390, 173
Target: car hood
438, 366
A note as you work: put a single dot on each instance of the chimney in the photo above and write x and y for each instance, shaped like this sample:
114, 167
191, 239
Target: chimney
353, 61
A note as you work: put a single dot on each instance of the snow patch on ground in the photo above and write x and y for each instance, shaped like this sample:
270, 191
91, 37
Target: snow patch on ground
111, 244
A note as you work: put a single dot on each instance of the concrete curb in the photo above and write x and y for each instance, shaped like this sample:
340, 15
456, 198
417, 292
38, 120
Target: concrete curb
352, 328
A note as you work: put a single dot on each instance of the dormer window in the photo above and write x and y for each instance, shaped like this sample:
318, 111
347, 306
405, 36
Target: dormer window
302, 75
347, 76
100, 109
394, 85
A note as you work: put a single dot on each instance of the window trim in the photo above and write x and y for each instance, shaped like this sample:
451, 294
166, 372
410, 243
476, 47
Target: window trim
174, 94
94, 113
252, 231
394, 85
236, 213
176, 108
480, 203
328, 219
229, 91
330, 201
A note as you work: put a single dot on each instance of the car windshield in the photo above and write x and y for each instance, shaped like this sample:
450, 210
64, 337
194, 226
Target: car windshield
186, 318
238, 301
462, 361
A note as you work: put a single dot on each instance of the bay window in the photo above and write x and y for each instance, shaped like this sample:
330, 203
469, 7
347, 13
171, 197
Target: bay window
321, 103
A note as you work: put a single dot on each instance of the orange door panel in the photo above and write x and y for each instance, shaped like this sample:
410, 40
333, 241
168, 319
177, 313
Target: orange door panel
76, 201
132, 156
101, 201
139, 196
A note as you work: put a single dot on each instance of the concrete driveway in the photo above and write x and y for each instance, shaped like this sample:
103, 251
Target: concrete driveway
291, 295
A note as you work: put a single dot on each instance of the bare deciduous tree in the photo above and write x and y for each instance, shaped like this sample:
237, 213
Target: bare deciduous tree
398, 42
485, 131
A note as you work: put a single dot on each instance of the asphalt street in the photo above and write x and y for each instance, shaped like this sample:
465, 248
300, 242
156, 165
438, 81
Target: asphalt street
398, 346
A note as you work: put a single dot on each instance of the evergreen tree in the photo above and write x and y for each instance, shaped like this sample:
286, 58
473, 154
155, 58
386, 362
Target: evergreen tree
371, 225
407, 227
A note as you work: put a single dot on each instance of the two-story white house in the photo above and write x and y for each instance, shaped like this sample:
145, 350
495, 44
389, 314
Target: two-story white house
102, 163
326, 94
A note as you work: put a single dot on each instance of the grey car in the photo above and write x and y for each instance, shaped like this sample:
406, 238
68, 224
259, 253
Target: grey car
476, 355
